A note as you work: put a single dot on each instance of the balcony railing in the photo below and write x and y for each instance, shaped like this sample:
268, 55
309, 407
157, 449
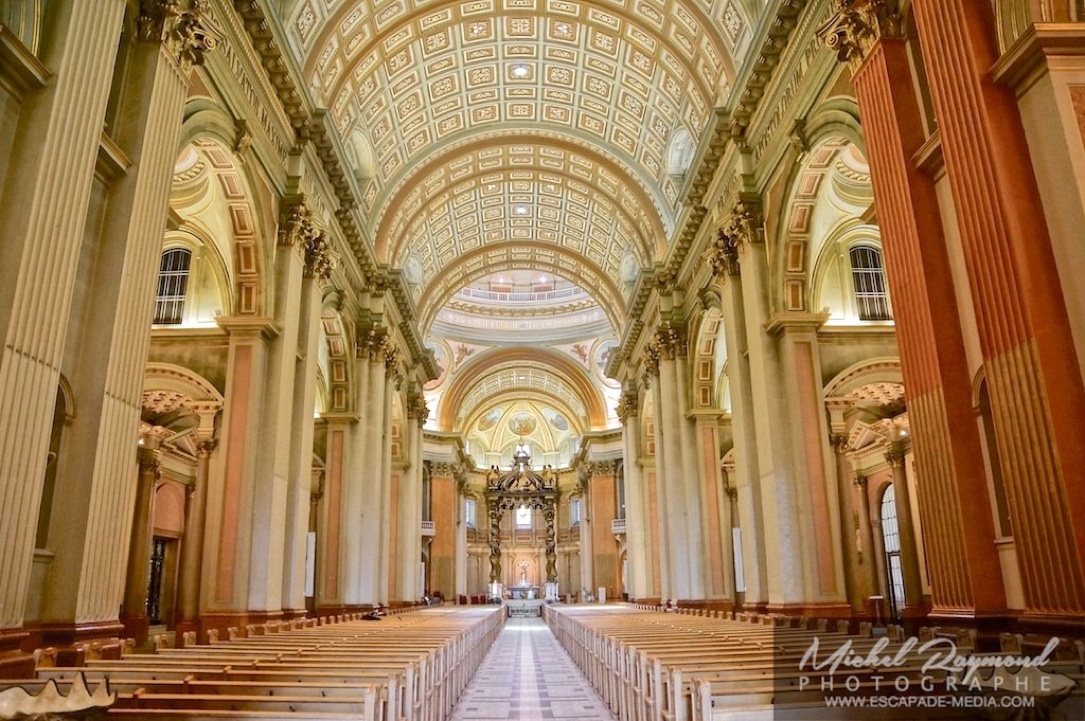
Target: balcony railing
617, 526
429, 528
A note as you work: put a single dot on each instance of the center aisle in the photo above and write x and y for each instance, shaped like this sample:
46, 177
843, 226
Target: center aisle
528, 676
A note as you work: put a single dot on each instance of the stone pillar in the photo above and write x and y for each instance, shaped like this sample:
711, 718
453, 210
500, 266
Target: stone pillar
871, 545
696, 472
658, 499
730, 525
410, 505
785, 555
338, 543
93, 498
231, 502
587, 530
712, 503
850, 530
134, 611
636, 531
964, 567
300, 232
393, 380
1031, 366
909, 546
372, 499
746, 479
43, 209
812, 462
192, 548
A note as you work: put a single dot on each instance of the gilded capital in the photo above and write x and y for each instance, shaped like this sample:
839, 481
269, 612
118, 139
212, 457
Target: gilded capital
628, 406
181, 25
856, 25
206, 447
894, 454
722, 254
417, 408
671, 342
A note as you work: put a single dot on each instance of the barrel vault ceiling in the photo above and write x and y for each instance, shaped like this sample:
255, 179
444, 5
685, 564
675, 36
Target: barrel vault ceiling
493, 136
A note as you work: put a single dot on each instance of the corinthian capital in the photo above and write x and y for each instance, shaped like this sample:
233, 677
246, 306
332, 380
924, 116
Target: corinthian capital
722, 254
181, 25
671, 342
856, 25
628, 406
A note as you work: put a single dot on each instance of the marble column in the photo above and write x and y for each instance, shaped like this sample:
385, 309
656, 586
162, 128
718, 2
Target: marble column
394, 379
850, 530
636, 532
378, 348
587, 531
746, 478
964, 567
871, 545
192, 546
93, 498
338, 530
134, 610
319, 261
812, 461
410, 505
44, 209
1031, 366
232, 502
785, 555
909, 545
691, 482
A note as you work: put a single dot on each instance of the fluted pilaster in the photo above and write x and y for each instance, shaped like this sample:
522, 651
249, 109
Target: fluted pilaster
44, 211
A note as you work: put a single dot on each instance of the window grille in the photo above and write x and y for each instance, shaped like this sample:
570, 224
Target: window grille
169, 304
868, 274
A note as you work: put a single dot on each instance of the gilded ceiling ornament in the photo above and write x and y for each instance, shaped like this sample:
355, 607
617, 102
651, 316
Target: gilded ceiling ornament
857, 25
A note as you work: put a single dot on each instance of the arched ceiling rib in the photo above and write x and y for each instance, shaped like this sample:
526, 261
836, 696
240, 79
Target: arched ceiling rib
501, 371
566, 178
498, 257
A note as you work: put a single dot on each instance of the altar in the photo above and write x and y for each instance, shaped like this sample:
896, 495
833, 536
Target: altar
524, 607
524, 593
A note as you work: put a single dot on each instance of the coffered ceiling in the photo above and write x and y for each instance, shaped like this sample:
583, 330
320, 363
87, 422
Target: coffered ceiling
509, 135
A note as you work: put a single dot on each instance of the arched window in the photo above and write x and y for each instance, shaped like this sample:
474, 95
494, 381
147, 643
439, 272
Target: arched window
891, 542
169, 304
868, 276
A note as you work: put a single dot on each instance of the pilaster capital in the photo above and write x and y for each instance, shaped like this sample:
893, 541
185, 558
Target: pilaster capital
651, 360
417, 408
442, 469
894, 454
839, 442
628, 405
671, 341
180, 25
857, 25
205, 447
722, 254
859, 480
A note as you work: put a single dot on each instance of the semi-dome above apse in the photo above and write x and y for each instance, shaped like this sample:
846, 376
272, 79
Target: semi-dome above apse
548, 138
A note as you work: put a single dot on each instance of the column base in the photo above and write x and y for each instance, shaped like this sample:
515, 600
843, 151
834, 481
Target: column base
136, 626
811, 610
238, 620
77, 642
293, 614
708, 604
14, 661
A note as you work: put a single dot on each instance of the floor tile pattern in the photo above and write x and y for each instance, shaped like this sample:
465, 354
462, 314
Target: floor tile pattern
527, 676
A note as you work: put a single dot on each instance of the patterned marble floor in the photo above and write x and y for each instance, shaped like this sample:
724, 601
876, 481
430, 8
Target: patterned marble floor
529, 677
